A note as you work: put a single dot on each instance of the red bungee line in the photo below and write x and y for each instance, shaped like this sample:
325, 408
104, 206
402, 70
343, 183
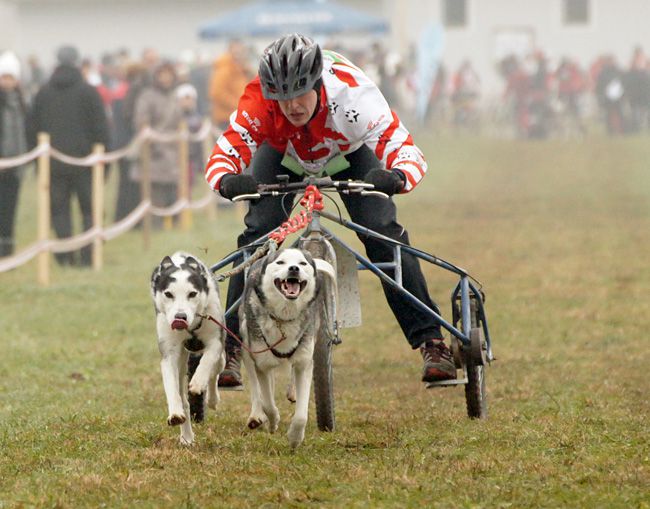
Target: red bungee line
312, 200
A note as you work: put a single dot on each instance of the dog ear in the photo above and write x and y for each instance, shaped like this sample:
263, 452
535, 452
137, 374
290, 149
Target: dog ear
255, 272
155, 275
269, 258
193, 264
166, 263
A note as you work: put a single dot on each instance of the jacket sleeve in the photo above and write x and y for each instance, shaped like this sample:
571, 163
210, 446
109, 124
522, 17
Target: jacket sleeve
235, 148
384, 133
367, 117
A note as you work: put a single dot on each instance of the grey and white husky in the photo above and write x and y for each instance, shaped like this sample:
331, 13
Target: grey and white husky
184, 294
279, 314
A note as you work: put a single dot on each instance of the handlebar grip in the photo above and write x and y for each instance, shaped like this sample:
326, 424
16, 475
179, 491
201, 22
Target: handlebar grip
242, 197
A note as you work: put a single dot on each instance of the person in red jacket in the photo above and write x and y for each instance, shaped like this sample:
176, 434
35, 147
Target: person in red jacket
313, 112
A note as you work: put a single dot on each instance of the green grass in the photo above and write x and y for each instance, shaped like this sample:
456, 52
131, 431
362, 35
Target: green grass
557, 233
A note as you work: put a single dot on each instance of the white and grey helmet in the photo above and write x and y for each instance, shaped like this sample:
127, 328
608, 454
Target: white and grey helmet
290, 67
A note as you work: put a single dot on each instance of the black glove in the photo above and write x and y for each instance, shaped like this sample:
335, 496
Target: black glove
235, 185
386, 181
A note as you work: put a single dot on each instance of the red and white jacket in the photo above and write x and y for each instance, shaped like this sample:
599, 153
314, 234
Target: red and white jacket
352, 111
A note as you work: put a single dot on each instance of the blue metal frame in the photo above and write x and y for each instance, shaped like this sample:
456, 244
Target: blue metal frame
465, 288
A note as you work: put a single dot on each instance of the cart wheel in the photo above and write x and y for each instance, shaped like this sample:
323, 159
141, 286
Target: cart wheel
475, 395
323, 383
456, 352
326, 335
478, 347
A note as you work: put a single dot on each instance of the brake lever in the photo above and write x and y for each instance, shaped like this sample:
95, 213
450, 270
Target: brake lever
374, 193
242, 197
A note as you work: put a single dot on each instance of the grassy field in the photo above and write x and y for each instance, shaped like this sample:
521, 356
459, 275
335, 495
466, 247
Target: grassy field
558, 234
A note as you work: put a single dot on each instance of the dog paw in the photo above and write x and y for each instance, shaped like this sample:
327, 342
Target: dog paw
176, 419
187, 440
256, 421
296, 434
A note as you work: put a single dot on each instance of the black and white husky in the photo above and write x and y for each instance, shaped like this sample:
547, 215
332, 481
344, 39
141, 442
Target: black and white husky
184, 294
279, 314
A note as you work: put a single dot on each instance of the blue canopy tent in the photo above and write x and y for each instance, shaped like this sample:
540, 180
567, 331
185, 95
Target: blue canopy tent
311, 17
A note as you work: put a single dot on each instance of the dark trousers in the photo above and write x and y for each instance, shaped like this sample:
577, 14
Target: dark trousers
66, 183
373, 212
9, 187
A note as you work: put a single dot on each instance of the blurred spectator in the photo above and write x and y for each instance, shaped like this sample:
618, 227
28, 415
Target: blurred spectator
71, 111
200, 79
516, 93
465, 93
466, 82
610, 93
150, 60
187, 99
438, 98
637, 90
13, 142
158, 108
571, 84
540, 114
128, 194
90, 72
112, 89
230, 74
35, 77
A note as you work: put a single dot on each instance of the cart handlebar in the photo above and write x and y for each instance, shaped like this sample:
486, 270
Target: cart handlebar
284, 187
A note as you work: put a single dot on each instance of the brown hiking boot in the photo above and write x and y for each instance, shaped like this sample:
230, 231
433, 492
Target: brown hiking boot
438, 362
230, 377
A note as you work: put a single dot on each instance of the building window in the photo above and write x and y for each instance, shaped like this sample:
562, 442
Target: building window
454, 13
576, 12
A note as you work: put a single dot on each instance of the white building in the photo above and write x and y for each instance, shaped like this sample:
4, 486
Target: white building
487, 30
482, 30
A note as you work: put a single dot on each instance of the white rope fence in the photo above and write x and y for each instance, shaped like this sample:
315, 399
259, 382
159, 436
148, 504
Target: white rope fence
97, 160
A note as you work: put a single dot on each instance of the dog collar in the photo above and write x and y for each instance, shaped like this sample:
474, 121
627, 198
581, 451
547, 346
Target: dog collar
283, 355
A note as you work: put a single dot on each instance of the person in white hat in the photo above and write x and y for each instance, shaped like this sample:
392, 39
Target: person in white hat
187, 97
13, 142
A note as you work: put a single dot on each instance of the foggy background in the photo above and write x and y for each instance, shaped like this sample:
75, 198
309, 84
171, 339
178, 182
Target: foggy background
481, 30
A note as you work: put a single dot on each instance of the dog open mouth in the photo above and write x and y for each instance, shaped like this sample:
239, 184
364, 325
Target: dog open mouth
290, 287
179, 324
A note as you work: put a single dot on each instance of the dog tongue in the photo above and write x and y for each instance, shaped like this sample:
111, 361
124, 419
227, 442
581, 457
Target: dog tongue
291, 287
178, 324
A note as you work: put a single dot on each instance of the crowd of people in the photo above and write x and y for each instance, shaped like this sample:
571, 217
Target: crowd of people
544, 99
82, 102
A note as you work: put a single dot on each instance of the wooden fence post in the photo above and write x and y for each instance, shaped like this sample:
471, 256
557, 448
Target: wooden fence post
183, 191
98, 206
44, 213
145, 190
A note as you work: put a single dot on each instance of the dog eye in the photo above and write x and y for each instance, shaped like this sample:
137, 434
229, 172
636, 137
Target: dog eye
191, 295
303, 263
280, 262
169, 295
